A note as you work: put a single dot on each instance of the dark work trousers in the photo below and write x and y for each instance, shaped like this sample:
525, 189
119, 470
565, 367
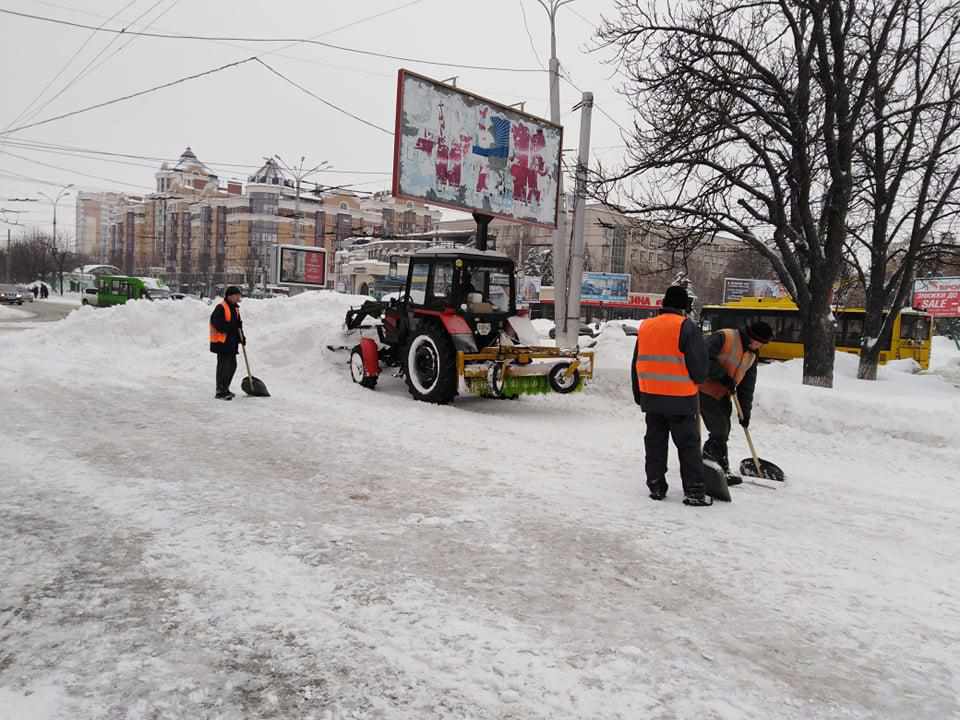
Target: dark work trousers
226, 367
716, 416
685, 430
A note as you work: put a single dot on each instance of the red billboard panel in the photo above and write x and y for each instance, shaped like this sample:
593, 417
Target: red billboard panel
938, 296
301, 265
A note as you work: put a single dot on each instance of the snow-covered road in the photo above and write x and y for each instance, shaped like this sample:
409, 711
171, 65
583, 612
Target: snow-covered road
332, 552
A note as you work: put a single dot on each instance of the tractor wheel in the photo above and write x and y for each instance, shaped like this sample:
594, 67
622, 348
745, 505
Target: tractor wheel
561, 383
357, 373
430, 366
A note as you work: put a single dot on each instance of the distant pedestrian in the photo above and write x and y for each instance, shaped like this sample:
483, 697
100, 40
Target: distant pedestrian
36, 291
669, 362
226, 335
44, 291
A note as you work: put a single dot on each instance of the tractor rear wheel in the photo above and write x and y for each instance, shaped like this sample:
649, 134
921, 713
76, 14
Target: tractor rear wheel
430, 366
357, 371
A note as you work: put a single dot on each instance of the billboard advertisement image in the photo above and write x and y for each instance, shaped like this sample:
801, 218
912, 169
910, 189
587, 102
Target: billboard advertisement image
461, 151
938, 296
300, 265
736, 288
605, 287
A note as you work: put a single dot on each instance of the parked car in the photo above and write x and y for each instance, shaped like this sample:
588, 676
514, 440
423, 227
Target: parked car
26, 292
12, 295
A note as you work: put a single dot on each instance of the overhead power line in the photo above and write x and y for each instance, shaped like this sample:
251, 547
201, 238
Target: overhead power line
325, 102
127, 97
304, 41
125, 158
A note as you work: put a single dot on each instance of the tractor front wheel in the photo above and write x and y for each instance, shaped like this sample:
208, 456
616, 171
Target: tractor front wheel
562, 383
357, 371
430, 366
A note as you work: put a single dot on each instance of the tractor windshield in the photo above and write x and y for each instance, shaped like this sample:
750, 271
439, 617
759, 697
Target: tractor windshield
486, 286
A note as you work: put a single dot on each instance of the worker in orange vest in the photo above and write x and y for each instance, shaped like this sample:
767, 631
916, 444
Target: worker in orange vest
226, 335
733, 357
669, 362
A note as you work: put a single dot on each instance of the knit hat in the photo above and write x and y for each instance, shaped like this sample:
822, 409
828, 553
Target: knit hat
232, 290
760, 331
676, 297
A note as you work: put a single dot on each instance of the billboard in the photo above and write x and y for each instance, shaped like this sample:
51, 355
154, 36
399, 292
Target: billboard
461, 151
736, 288
938, 296
605, 287
528, 288
301, 265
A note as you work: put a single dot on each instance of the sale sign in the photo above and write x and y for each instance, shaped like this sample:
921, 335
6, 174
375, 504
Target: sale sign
938, 296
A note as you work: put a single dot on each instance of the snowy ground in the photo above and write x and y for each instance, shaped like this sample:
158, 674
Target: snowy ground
13, 313
332, 552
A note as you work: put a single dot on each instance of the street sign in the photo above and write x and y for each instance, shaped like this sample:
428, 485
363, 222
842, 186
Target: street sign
459, 150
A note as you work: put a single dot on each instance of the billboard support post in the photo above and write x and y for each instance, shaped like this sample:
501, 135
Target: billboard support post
483, 229
570, 337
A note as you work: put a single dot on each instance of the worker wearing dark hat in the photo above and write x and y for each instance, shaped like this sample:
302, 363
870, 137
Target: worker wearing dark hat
669, 362
226, 335
733, 369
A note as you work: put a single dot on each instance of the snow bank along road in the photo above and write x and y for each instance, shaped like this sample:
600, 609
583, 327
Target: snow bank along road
335, 552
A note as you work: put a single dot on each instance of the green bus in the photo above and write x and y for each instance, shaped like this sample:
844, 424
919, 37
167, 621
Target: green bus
117, 289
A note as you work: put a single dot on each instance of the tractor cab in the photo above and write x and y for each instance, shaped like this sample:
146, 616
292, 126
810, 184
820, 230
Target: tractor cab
476, 285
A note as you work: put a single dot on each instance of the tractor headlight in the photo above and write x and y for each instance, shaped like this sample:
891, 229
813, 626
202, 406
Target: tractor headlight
484, 328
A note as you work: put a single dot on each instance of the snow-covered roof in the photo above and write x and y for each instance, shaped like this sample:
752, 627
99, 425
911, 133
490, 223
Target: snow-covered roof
461, 252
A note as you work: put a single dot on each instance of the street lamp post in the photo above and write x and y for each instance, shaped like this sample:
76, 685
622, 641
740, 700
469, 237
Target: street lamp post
299, 175
63, 193
561, 246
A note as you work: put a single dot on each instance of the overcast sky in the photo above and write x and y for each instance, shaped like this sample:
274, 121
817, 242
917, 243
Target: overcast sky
234, 118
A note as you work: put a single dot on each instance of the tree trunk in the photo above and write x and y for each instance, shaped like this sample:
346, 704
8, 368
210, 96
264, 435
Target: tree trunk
871, 340
818, 347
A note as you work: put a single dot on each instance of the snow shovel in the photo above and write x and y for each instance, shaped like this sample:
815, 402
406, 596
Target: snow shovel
754, 466
251, 385
714, 478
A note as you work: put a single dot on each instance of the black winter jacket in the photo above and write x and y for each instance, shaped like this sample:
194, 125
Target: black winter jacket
233, 330
695, 356
716, 372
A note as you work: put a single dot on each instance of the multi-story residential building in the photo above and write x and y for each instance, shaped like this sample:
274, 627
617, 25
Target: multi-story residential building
96, 213
199, 231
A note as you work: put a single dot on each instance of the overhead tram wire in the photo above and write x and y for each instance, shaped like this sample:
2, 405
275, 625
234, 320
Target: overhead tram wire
84, 153
155, 88
74, 172
69, 62
86, 68
325, 102
298, 41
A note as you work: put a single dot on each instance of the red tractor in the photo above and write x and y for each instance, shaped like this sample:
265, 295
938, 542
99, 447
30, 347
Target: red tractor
455, 329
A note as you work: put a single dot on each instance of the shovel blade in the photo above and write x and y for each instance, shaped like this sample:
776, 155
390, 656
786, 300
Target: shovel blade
768, 470
715, 481
254, 387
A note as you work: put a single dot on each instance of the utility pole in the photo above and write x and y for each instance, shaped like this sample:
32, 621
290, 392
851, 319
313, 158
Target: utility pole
63, 193
579, 213
299, 175
561, 250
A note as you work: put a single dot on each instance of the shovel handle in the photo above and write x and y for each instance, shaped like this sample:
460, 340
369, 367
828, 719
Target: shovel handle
753, 451
243, 347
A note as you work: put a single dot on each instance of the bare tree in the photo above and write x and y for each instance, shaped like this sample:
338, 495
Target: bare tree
746, 124
906, 166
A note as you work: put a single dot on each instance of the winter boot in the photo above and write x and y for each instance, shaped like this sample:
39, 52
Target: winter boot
658, 493
698, 500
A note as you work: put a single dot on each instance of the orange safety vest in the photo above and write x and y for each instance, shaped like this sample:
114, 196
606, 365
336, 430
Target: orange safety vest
734, 359
661, 367
215, 335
